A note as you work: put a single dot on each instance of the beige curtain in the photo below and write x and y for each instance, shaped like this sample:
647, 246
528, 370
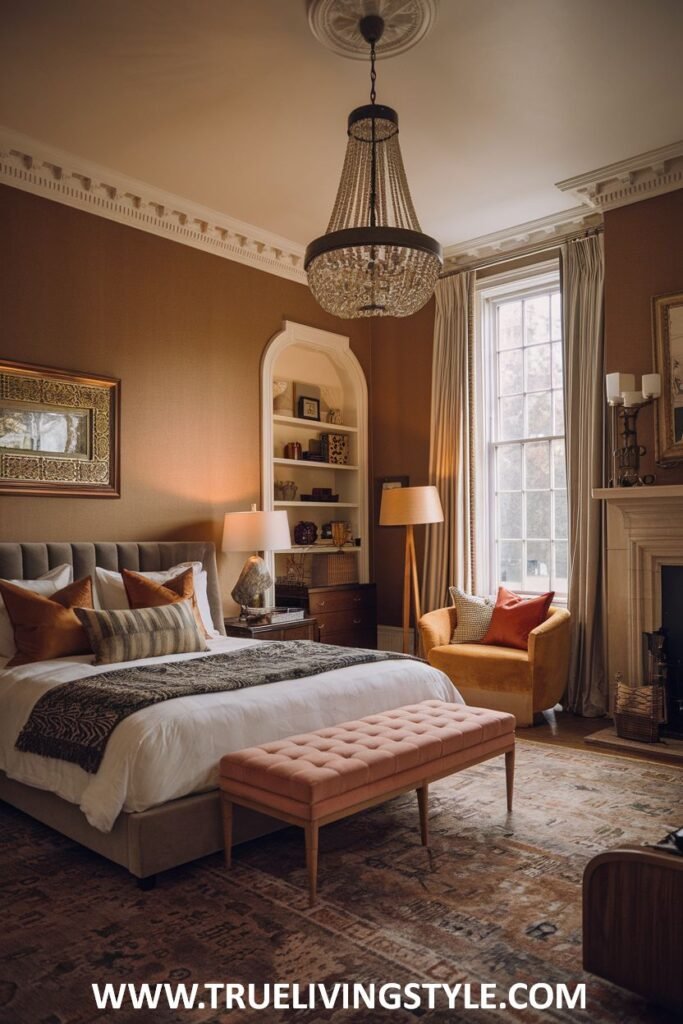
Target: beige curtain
449, 547
582, 303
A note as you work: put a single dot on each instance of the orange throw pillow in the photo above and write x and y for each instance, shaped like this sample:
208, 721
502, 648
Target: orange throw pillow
47, 627
514, 617
145, 593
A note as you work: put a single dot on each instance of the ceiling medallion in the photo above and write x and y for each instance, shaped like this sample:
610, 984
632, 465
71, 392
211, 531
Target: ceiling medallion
374, 259
335, 23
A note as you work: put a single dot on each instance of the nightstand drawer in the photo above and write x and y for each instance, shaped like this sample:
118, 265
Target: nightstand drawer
347, 619
352, 638
326, 601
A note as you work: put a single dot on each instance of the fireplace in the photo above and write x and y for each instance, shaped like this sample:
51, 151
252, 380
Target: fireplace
672, 626
644, 588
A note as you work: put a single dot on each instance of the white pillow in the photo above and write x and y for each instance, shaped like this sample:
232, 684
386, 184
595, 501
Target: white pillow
111, 591
473, 616
46, 585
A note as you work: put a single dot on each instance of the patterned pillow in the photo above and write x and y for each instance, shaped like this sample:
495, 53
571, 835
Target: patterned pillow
473, 616
142, 633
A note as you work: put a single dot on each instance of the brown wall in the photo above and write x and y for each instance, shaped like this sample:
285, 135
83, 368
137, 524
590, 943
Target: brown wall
402, 353
643, 258
184, 330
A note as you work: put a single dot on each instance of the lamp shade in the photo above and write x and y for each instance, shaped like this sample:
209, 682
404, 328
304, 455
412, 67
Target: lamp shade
256, 531
410, 506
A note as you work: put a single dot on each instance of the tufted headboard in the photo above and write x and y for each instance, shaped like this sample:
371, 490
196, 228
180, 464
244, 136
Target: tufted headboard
27, 561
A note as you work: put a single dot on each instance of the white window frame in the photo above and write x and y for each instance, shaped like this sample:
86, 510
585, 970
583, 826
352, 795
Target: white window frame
515, 284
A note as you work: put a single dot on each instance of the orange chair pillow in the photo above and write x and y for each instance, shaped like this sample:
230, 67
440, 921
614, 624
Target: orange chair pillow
514, 617
47, 627
145, 593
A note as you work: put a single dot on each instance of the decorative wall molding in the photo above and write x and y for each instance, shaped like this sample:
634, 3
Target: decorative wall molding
554, 228
629, 181
42, 170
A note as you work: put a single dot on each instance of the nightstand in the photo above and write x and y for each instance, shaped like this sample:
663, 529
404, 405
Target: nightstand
295, 629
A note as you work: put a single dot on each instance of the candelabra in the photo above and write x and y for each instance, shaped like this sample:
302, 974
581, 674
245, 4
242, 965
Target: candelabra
625, 403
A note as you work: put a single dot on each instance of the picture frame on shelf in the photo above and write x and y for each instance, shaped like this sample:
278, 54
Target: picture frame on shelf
308, 408
59, 432
667, 325
383, 483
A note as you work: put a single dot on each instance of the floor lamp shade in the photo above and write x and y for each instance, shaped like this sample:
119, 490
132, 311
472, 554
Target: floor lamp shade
254, 531
409, 507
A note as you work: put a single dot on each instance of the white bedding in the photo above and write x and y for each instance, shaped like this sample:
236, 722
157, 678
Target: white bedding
173, 748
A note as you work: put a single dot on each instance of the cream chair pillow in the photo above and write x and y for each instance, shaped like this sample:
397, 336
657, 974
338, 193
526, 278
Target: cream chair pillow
473, 616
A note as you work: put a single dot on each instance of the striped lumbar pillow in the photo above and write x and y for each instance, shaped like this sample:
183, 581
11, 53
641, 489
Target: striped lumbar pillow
141, 633
473, 616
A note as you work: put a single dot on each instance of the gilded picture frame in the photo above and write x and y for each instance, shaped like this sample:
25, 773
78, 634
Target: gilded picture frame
59, 432
667, 325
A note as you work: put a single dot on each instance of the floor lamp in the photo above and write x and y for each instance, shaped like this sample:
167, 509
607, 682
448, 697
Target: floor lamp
409, 507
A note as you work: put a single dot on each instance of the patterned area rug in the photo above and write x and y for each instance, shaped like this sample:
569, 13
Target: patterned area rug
496, 899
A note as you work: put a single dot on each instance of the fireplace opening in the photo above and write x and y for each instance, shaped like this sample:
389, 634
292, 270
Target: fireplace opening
672, 626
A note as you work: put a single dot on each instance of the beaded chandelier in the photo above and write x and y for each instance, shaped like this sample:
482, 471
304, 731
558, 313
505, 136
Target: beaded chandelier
374, 259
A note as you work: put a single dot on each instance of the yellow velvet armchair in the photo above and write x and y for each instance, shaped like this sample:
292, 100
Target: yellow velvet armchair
524, 683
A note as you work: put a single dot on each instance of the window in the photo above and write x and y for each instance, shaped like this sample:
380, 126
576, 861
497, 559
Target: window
521, 422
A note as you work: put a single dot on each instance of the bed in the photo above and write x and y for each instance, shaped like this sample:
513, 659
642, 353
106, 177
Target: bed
153, 803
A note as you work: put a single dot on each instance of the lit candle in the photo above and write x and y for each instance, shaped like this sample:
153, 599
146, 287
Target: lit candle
652, 385
616, 384
632, 398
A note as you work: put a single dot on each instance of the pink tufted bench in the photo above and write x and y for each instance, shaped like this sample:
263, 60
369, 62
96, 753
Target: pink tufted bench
318, 777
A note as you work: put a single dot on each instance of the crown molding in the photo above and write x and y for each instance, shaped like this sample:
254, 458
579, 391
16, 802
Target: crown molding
33, 167
629, 181
556, 227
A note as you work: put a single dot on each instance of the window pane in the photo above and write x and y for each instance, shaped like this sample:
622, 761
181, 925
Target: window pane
539, 419
560, 515
557, 364
559, 468
511, 418
538, 514
510, 378
558, 412
556, 316
510, 515
537, 465
536, 320
509, 468
509, 325
537, 366
560, 570
537, 565
510, 562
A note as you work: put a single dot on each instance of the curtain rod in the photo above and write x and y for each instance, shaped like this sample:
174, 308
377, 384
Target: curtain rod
517, 254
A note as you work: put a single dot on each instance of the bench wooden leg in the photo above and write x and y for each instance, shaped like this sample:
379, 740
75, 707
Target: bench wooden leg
226, 806
423, 804
311, 830
509, 775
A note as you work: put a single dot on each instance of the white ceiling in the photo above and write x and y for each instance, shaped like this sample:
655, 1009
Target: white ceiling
233, 104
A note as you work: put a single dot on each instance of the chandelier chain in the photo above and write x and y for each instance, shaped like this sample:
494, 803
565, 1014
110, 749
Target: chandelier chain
373, 74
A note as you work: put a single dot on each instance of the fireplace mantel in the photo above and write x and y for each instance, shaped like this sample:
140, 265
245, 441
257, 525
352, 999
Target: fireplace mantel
644, 532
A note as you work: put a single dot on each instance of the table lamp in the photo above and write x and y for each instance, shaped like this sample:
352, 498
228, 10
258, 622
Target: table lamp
410, 506
254, 531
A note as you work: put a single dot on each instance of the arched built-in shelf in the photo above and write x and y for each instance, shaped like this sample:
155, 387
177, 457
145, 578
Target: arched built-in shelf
308, 355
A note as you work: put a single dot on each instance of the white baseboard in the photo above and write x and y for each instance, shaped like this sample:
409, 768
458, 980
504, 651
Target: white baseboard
390, 638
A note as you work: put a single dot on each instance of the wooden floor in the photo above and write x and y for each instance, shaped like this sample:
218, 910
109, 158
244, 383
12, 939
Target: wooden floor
571, 730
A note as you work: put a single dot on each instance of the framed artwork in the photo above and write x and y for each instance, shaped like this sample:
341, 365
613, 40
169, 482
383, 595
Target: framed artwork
59, 432
667, 315
308, 408
383, 483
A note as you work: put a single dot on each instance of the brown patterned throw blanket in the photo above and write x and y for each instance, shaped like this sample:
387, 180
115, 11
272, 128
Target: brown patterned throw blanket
73, 721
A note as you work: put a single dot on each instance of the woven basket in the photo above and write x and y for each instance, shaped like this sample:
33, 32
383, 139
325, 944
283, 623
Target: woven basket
639, 712
330, 570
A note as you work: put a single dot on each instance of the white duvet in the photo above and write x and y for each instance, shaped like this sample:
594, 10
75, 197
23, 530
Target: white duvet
173, 748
